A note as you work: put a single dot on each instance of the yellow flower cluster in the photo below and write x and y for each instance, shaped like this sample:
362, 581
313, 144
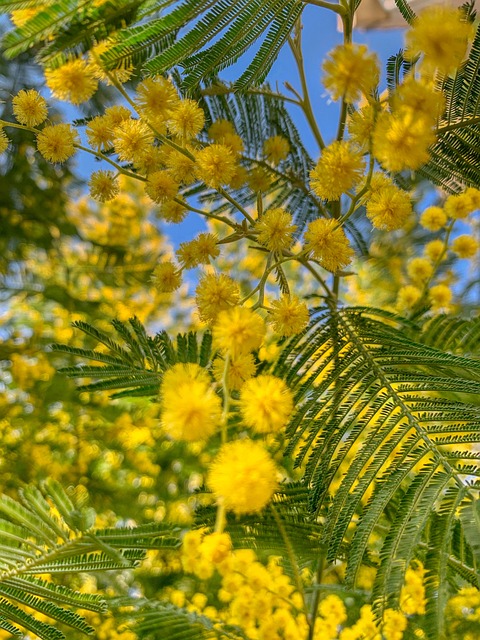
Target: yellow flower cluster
464, 607
189, 405
440, 34
257, 598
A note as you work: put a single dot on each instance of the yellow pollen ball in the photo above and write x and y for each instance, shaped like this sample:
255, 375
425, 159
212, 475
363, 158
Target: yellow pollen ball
29, 108
131, 139
4, 141
441, 35
103, 186
215, 165
275, 229
237, 331
190, 408
56, 142
408, 297
465, 246
419, 269
350, 71
440, 297
328, 244
402, 140
166, 277
214, 294
99, 133
289, 315
156, 98
420, 97
459, 206
339, 169
266, 404
160, 186
433, 218
239, 370
73, 81
389, 208
187, 119
243, 477
361, 125
276, 149
172, 211
435, 250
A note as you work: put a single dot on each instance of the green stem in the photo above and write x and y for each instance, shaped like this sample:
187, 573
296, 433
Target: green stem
316, 597
290, 554
318, 278
119, 168
206, 214
14, 125
236, 204
358, 196
458, 125
305, 102
337, 8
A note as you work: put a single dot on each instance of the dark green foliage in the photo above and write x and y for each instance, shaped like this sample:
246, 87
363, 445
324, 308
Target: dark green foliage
219, 34
34, 540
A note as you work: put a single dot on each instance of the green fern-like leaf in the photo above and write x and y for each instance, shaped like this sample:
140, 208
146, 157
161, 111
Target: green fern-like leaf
368, 394
36, 540
138, 366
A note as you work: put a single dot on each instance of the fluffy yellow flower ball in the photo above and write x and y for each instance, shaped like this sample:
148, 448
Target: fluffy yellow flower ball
214, 294
103, 186
190, 408
440, 297
243, 476
421, 97
266, 404
56, 143
200, 250
339, 168
361, 124
419, 269
156, 98
187, 119
73, 81
215, 165
29, 108
276, 149
328, 244
160, 186
401, 140
465, 246
435, 250
131, 139
441, 35
350, 71
433, 218
289, 315
459, 206
167, 277
4, 141
238, 331
172, 211
239, 370
275, 229
389, 207
408, 297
